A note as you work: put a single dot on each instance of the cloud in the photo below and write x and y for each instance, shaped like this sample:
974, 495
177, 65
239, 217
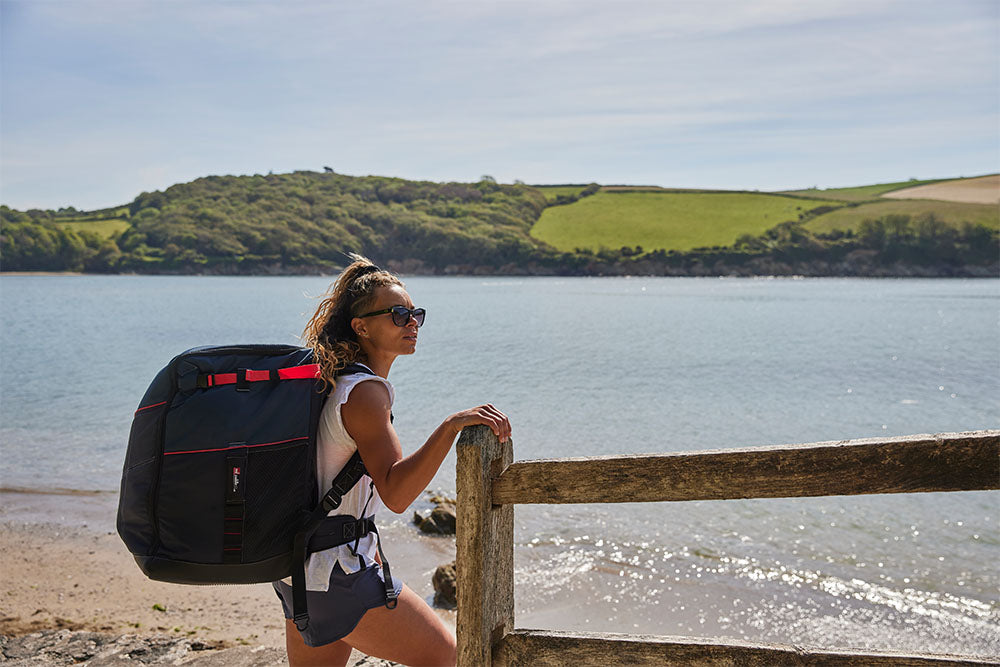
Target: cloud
457, 89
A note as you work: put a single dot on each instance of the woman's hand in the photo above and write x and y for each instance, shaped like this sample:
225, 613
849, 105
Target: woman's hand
484, 414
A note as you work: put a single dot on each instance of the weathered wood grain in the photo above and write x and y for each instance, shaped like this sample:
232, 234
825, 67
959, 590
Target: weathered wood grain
919, 463
485, 548
542, 648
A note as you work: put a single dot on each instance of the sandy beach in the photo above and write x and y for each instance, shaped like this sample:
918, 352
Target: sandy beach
64, 567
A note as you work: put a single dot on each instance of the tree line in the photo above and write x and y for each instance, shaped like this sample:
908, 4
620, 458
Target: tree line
275, 223
306, 221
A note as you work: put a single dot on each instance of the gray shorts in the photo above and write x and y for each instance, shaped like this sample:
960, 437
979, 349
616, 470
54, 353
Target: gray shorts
335, 613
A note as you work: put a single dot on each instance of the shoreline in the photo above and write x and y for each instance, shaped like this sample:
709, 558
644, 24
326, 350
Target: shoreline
65, 568
51, 273
964, 273
56, 491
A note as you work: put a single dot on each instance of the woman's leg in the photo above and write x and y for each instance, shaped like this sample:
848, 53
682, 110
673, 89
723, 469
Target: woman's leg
301, 655
411, 634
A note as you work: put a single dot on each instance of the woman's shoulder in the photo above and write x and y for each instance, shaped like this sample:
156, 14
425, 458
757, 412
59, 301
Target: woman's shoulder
366, 404
368, 385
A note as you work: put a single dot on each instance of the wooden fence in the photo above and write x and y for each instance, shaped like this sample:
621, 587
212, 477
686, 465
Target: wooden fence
490, 483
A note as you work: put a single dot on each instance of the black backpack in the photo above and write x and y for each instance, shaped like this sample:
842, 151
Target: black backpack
219, 482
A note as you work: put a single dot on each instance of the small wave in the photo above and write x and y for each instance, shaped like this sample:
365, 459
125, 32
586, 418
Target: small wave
908, 600
702, 589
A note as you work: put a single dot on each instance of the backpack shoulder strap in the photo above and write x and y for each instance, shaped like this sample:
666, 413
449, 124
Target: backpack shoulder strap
350, 474
351, 369
345, 480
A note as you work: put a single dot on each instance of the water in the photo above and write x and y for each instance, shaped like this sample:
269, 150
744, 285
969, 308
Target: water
607, 366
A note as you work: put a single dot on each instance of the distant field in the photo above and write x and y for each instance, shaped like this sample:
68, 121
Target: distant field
667, 220
953, 213
553, 191
861, 193
981, 190
634, 188
105, 228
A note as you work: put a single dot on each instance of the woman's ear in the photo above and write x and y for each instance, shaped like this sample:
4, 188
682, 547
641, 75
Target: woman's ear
358, 325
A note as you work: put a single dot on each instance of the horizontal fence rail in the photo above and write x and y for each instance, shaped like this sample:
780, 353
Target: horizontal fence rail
490, 483
920, 463
545, 647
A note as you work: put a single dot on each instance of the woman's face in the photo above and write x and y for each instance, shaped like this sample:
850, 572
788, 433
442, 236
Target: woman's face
379, 331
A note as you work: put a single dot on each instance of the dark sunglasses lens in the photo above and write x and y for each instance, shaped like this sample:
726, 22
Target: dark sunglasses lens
401, 316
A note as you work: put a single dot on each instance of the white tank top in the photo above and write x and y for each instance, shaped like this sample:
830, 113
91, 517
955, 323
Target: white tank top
334, 446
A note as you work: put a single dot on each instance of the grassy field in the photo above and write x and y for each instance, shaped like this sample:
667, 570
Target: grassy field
105, 228
953, 213
860, 193
667, 220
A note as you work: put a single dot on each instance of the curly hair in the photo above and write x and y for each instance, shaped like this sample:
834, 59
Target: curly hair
334, 343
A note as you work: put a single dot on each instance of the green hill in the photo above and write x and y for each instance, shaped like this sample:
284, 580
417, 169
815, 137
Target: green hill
681, 220
668, 220
303, 221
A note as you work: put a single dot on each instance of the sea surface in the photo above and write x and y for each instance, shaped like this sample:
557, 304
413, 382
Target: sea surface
596, 366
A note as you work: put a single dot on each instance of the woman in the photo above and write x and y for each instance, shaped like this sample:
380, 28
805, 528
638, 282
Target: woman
369, 319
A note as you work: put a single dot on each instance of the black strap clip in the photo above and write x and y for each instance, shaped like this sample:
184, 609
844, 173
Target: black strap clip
390, 595
242, 384
331, 500
301, 621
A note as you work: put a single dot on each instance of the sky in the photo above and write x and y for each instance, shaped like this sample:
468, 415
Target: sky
100, 101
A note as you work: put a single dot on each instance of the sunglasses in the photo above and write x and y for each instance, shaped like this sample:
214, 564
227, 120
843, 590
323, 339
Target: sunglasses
401, 315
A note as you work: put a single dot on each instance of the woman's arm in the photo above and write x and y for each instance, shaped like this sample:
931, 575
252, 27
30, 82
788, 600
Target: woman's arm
400, 480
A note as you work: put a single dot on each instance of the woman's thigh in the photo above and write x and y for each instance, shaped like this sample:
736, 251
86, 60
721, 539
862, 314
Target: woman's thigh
301, 655
411, 633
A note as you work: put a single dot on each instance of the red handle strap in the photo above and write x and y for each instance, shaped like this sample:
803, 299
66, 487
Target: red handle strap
307, 372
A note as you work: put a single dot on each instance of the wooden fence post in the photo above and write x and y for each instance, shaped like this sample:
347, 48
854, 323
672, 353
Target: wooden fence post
485, 548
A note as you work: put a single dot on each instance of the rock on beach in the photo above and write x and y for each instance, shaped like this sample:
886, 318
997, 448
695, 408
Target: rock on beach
441, 520
445, 586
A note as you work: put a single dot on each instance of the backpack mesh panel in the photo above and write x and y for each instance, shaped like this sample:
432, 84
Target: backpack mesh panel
267, 528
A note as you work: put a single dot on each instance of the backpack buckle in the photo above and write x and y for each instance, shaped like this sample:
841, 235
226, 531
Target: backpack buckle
331, 501
242, 384
390, 596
